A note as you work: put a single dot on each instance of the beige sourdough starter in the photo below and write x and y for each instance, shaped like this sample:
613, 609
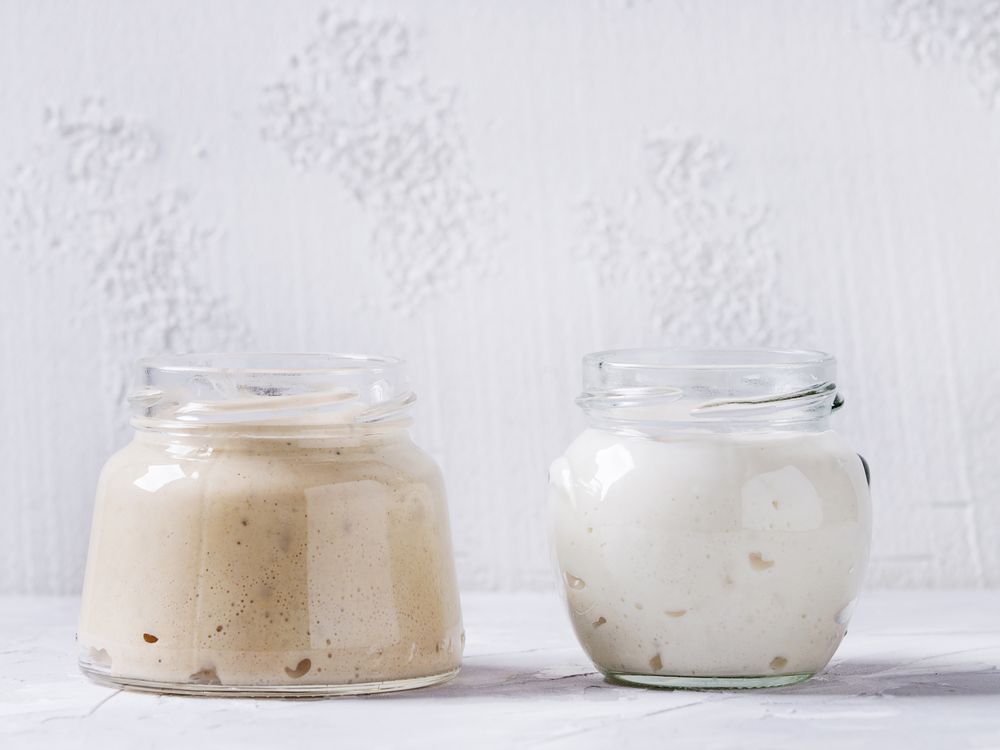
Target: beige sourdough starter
251, 562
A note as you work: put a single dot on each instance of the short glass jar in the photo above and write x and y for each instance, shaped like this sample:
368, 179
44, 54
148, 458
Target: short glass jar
270, 530
711, 531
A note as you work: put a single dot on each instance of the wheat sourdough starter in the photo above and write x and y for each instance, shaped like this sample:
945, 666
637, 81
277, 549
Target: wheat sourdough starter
717, 555
270, 562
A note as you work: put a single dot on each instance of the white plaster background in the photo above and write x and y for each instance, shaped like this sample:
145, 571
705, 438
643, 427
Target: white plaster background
491, 189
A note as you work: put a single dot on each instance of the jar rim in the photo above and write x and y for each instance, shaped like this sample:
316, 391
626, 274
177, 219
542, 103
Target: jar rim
684, 358
277, 363
270, 394
722, 389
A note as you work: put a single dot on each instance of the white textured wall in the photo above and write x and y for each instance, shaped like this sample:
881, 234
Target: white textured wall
490, 189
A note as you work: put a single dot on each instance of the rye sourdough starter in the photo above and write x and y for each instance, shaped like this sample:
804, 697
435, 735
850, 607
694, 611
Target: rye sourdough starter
710, 555
269, 562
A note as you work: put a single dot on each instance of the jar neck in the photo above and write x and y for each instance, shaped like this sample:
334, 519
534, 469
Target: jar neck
186, 440
657, 392
654, 425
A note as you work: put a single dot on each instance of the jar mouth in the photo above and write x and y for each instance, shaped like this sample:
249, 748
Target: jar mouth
269, 394
706, 359
264, 363
717, 389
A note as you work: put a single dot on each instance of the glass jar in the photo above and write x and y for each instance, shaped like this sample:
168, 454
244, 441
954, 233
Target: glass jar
711, 530
270, 530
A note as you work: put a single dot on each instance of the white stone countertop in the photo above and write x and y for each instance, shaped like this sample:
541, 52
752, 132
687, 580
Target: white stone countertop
918, 670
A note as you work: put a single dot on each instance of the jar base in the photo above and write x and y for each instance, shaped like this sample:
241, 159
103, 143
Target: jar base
688, 682
265, 691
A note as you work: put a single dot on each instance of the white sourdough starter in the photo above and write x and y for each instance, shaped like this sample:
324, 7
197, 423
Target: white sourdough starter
716, 555
270, 562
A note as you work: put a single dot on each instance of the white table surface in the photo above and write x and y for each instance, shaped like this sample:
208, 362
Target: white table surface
918, 670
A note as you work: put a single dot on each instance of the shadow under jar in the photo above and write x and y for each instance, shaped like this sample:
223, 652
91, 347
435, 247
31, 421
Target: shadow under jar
711, 531
270, 530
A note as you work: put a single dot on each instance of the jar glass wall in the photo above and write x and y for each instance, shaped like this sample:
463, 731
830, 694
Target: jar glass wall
271, 530
709, 527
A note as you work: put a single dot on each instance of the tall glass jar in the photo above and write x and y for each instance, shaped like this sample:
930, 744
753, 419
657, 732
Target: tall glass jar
270, 530
711, 530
